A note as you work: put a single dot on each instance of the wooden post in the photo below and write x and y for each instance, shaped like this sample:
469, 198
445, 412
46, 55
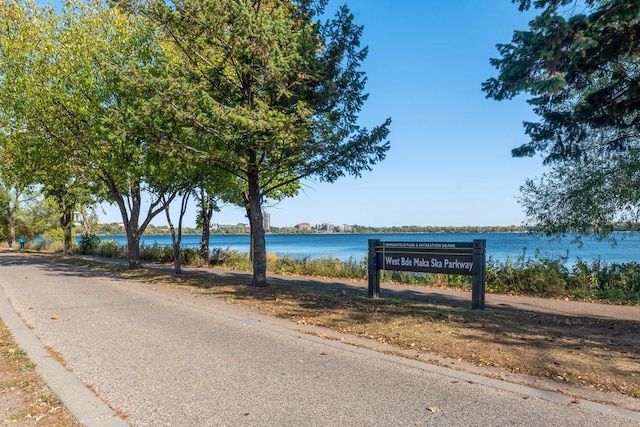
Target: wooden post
373, 270
478, 275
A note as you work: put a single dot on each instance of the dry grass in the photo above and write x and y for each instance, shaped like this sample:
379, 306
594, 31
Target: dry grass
25, 400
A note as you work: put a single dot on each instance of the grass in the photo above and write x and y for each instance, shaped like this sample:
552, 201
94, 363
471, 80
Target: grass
524, 275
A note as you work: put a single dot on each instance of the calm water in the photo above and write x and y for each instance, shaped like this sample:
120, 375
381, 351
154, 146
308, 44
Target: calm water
345, 246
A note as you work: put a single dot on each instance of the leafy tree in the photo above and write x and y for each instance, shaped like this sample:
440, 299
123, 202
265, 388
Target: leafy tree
273, 94
580, 64
586, 197
38, 146
75, 116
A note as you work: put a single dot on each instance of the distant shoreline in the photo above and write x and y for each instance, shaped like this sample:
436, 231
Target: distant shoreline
115, 229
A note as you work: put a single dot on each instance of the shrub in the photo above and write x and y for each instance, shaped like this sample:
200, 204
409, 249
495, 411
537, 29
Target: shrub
229, 258
110, 249
192, 257
88, 243
160, 254
47, 245
539, 276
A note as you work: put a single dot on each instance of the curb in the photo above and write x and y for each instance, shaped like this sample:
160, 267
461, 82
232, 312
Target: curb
78, 399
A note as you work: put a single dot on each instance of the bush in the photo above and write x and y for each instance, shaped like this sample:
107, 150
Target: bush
191, 257
110, 249
160, 254
229, 258
326, 267
599, 280
539, 276
89, 243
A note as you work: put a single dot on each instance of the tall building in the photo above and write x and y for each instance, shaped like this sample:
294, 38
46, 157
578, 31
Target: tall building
266, 220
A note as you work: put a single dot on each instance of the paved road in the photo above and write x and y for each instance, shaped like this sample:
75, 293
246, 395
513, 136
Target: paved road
170, 361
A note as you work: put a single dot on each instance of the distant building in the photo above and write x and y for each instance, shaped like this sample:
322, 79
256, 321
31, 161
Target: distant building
266, 220
304, 226
326, 227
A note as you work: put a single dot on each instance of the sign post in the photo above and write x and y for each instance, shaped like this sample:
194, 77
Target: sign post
373, 270
479, 274
464, 258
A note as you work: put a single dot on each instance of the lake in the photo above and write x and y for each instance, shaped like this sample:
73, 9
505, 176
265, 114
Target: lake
500, 246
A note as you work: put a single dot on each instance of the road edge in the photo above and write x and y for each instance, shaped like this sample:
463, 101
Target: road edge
89, 410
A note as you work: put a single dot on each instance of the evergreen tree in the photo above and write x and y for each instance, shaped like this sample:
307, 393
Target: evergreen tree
272, 94
580, 64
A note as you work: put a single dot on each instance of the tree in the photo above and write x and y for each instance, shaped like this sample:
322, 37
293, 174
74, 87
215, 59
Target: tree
580, 64
273, 93
38, 146
207, 205
74, 113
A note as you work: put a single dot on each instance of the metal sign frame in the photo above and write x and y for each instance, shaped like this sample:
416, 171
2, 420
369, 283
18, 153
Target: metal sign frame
461, 258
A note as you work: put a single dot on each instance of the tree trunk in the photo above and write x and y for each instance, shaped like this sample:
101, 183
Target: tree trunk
177, 262
254, 212
131, 217
177, 268
12, 229
206, 205
66, 222
133, 245
204, 242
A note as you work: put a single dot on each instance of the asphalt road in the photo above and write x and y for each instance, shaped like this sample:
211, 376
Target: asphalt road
171, 360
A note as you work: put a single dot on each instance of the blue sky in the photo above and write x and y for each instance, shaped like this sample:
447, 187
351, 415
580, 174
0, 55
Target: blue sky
450, 159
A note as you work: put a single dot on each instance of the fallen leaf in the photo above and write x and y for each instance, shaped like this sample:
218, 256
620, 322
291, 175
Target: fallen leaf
54, 317
433, 409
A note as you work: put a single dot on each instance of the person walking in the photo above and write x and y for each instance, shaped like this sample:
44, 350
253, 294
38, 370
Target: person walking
21, 240
10, 241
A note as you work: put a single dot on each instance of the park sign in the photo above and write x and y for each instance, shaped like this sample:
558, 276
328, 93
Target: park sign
460, 258
428, 257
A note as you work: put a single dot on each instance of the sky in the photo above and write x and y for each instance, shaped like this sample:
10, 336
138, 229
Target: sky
450, 159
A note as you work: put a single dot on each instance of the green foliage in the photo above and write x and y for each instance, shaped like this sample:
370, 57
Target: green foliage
110, 249
88, 243
192, 257
542, 276
54, 234
326, 267
599, 280
580, 66
272, 102
47, 245
161, 254
229, 258
535, 276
